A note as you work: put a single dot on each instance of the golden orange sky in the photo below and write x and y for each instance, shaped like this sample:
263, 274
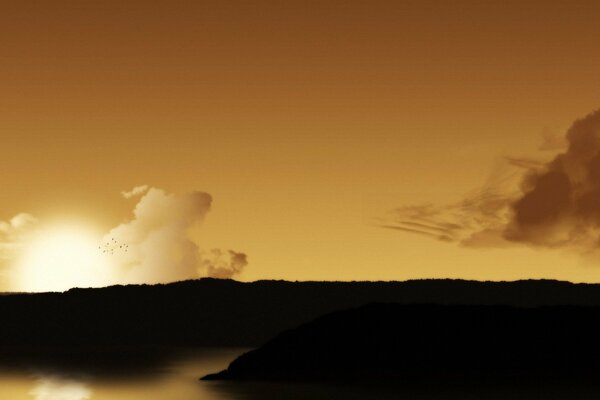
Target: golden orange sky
305, 120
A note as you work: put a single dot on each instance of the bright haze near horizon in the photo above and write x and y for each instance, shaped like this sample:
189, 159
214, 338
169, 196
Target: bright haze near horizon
152, 141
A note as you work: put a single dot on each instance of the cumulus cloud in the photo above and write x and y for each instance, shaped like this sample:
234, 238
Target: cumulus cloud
158, 245
554, 203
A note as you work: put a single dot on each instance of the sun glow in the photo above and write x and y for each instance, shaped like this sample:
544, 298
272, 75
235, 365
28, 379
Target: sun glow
58, 259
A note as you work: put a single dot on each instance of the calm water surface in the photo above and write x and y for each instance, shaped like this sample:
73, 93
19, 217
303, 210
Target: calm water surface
172, 378
176, 378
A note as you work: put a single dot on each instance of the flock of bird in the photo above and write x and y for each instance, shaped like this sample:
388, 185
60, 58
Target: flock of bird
112, 245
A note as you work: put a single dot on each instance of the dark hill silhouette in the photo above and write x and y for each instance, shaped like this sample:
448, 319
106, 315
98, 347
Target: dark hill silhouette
408, 342
212, 312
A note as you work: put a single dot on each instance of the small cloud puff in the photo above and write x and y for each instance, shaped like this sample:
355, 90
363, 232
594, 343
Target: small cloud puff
136, 191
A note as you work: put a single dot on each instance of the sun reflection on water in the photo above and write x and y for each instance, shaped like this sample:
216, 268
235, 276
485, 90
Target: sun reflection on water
57, 388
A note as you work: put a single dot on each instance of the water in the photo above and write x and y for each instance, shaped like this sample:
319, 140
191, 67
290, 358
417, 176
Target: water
175, 377
154, 378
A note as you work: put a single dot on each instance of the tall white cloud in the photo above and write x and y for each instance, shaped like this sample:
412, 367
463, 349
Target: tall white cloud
156, 246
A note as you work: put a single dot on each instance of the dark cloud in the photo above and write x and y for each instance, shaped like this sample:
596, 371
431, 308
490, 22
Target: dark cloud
551, 204
560, 205
552, 141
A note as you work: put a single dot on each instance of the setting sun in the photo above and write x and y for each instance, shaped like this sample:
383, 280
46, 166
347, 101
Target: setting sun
61, 258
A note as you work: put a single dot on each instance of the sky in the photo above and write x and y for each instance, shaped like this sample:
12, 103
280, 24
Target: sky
298, 125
